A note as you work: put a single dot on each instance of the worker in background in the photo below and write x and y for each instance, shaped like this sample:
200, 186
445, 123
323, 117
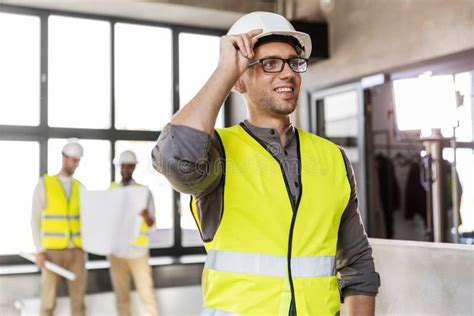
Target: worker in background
132, 261
56, 228
276, 206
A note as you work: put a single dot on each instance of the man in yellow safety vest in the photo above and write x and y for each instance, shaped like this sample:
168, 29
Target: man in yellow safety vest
276, 206
56, 228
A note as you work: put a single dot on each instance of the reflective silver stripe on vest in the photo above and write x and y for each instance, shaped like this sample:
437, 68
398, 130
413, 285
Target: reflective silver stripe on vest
216, 312
60, 216
303, 267
51, 234
76, 235
267, 265
246, 263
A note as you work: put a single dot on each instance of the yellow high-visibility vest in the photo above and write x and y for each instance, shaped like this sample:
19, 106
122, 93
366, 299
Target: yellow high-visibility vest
60, 220
265, 252
142, 240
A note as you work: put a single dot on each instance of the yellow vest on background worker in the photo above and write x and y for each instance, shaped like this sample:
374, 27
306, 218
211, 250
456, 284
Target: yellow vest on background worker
60, 220
142, 240
260, 236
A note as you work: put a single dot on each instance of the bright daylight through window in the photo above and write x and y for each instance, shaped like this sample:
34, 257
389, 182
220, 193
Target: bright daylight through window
109, 83
437, 95
198, 56
79, 73
19, 70
143, 77
22, 170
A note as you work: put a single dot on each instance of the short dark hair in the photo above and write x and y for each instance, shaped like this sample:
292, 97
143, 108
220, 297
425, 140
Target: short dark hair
281, 38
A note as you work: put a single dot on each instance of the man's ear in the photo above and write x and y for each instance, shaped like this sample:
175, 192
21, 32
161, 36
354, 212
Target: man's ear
239, 86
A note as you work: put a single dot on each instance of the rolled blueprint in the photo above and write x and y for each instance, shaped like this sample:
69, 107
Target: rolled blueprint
51, 267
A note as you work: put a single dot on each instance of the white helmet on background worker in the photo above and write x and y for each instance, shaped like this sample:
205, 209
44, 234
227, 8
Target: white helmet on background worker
272, 24
127, 157
73, 148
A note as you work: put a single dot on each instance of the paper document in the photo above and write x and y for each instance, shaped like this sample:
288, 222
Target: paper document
51, 267
110, 219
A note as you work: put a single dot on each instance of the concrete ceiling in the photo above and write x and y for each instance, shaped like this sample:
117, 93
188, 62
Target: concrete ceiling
217, 14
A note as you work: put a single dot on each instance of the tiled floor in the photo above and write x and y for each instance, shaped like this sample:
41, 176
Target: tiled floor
175, 301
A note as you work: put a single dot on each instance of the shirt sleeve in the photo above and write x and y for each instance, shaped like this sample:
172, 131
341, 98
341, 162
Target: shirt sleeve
151, 209
354, 261
188, 158
38, 205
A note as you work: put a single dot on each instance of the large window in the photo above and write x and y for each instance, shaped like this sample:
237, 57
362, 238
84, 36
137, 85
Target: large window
19, 165
79, 73
19, 69
143, 77
114, 85
198, 57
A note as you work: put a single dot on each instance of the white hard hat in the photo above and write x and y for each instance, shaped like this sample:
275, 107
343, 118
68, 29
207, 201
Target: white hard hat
127, 157
272, 24
73, 148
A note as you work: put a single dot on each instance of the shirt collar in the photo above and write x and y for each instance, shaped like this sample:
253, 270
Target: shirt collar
270, 135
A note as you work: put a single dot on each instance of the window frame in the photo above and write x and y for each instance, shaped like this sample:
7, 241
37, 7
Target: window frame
43, 132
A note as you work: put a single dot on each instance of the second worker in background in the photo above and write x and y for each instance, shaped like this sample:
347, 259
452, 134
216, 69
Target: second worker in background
132, 261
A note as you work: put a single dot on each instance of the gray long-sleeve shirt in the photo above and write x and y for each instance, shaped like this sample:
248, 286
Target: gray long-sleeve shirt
189, 159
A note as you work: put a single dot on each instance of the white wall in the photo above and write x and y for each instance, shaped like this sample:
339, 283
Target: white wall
421, 278
370, 36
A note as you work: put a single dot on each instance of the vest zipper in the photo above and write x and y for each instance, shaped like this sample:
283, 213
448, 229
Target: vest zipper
292, 311
294, 205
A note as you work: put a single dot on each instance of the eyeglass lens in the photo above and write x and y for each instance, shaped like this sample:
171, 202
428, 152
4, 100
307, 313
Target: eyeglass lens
277, 64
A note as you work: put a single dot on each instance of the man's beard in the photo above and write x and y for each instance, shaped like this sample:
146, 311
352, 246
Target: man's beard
70, 171
126, 179
282, 110
280, 107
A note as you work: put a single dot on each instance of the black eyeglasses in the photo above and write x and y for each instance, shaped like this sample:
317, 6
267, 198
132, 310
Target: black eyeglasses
276, 64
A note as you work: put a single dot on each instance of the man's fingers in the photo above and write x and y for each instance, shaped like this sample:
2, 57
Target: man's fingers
254, 33
252, 39
240, 45
244, 42
248, 48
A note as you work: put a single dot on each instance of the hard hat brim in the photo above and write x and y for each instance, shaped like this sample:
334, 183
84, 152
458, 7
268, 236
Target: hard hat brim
72, 155
301, 37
